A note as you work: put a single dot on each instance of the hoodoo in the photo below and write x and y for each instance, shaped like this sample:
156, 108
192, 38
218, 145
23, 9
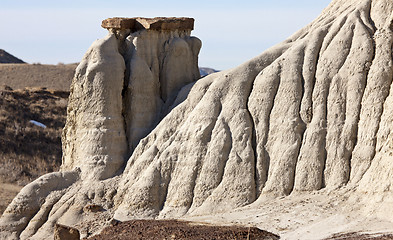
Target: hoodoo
122, 88
301, 133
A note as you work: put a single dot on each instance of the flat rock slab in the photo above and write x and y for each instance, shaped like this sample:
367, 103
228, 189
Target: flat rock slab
118, 23
158, 23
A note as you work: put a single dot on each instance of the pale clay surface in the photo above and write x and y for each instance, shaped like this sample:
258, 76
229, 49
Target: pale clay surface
297, 141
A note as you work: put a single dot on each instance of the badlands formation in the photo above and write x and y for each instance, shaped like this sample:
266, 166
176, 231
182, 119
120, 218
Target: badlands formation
297, 141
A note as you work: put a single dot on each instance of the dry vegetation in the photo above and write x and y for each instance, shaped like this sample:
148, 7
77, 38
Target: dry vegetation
27, 150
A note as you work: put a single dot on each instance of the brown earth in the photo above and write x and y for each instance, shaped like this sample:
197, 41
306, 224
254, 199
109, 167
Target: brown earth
173, 229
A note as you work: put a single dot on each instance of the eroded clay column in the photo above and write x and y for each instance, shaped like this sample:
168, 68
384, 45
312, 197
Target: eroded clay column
161, 58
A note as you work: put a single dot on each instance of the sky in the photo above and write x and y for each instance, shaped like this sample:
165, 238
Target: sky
232, 31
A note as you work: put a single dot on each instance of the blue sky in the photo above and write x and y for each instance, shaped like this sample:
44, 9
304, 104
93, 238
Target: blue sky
232, 32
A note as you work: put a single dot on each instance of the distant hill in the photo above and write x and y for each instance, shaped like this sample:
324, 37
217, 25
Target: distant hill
204, 71
5, 57
19, 76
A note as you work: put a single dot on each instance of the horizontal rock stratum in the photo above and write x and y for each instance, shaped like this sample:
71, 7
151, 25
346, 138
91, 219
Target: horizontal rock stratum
306, 128
139, 23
